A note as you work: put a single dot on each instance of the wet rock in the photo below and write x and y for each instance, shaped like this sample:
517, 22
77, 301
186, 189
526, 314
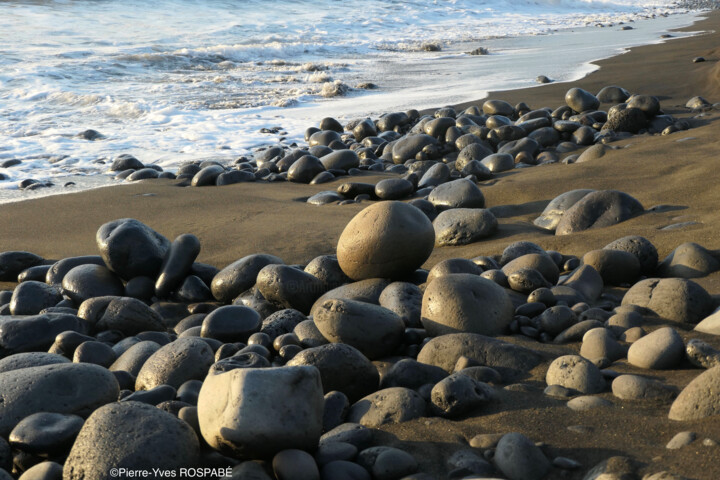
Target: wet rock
88, 281
30, 297
131, 248
581, 100
129, 316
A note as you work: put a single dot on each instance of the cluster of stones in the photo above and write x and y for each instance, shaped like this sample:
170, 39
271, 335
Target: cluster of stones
141, 357
428, 150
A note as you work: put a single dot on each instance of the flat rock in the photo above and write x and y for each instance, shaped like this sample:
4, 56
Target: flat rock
389, 405
461, 226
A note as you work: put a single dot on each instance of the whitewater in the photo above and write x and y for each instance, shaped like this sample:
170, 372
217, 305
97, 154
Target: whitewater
173, 81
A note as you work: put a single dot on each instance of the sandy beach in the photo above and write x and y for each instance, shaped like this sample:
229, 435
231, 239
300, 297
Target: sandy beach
673, 176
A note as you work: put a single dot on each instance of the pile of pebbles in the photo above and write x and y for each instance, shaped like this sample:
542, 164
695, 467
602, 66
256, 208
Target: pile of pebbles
141, 357
428, 150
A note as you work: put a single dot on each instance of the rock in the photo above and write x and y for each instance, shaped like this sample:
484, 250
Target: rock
175, 363
62, 388
240, 276
126, 161
385, 240
510, 360
519, 458
550, 217
335, 410
134, 358
598, 209
234, 176
459, 394
305, 169
635, 387
688, 260
283, 411
94, 352
699, 399
88, 281
614, 266
405, 300
30, 297
30, 359
630, 120
393, 189
340, 160
472, 152
129, 316
231, 323
611, 469
412, 374
389, 405
37, 332
342, 368
410, 145
586, 281
131, 248
341, 469
697, 103
517, 250
289, 287
143, 437
461, 193
613, 94
387, 463
177, 264
681, 439
46, 433
453, 265
600, 347
465, 303
660, 350
639, 246
710, 324
367, 291
675, 299
498, 107
587, 402
436, 175
527, 280
43, 471
375, 331
499, 162
541, 262
647, 104
281, 322
577, 373
461, 226
295, 464
581, 100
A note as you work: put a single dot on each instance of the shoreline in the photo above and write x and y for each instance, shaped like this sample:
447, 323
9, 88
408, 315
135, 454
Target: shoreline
671, 175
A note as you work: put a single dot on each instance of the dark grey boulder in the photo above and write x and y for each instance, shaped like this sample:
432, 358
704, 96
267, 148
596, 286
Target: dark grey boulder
239, 276
60, 268
281, 322
613, 94
132, 359
30, 359
436, 175
177, 264
598, 209
412, 374
405, 300
407, 147
207, 176
520, 459
498, 107
37, 332
175, 363
459, 394
461, 193
581, 100
576, 373
234, 176
499, 162
367, 291
340, 160
474, 151
647, 104
393, 189
616, 267
325, 136
131, 248
342, 368
88, 281
627, 120
63, 388
375, 331
231, 323
305, 169
324, 198
143, 437
30, 297
126, 161
461, 226
327, 269
12, 263
129, 316
699, 399
289, 287
46, 433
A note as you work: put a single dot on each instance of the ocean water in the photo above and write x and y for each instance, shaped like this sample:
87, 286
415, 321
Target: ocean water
172, 81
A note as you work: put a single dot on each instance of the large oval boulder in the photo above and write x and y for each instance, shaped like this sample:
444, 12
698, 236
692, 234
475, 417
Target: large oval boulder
460, 193
599, 209
240, 275
699, 399
460, 226
385, 240
184, 359
675, 299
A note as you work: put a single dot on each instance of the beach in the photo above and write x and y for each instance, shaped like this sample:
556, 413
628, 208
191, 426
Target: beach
672, 176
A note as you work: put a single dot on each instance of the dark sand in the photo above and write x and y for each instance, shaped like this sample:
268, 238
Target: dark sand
679, 170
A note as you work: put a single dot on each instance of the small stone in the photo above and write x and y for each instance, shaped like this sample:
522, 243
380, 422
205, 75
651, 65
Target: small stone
680, 440
587, 402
